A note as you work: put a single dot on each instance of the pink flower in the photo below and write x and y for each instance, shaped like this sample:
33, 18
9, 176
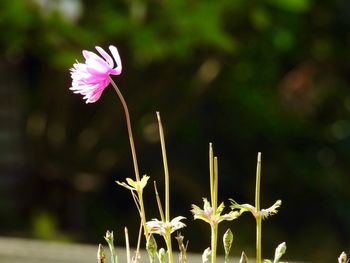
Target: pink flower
91, 78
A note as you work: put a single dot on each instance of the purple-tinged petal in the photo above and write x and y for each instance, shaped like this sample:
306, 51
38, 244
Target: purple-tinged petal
98, 65
105, 55
86, 54
118, 69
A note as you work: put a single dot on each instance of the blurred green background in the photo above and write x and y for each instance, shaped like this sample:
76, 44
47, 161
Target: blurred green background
249, 76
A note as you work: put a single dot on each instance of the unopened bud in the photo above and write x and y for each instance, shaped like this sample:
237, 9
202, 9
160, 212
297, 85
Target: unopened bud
109, 237
151, 247
161, 255
227, 240
206, 256
101, 257
110, 240
343, 258
280, 250
244, 258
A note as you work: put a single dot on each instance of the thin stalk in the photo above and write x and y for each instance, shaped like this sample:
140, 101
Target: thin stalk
257, 207
166, 170
215, 184
128, 124
169, 247
138, 255
167, 236
159, 203
143, 214
227, 258
258, 239
214, 227
127, 245
214, 238
211, 172
133, 153
112, 250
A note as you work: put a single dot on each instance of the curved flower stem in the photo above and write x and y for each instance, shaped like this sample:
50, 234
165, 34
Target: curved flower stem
257, 207
128, 124
133, 152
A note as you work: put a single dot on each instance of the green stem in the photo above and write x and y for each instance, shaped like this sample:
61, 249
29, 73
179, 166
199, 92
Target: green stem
159, 203
169, 247
227, 258
138, 255
214, 238
211, 173
257, 207
214, 175
127, 245
167, 202
133, 153
258, 239
143, 213
215, 184
113, 254
166, 170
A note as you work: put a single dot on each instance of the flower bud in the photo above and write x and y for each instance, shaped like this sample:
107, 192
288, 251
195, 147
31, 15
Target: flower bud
109, 237
151, 247
280, 250
161, 255
110, 240
206, 256
244, 258
227, 240
101, 257
343, 258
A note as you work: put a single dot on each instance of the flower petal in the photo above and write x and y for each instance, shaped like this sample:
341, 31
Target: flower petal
105, 55
92, 77
118, 69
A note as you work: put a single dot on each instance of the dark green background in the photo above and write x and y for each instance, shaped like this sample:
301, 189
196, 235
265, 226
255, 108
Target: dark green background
249, 76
